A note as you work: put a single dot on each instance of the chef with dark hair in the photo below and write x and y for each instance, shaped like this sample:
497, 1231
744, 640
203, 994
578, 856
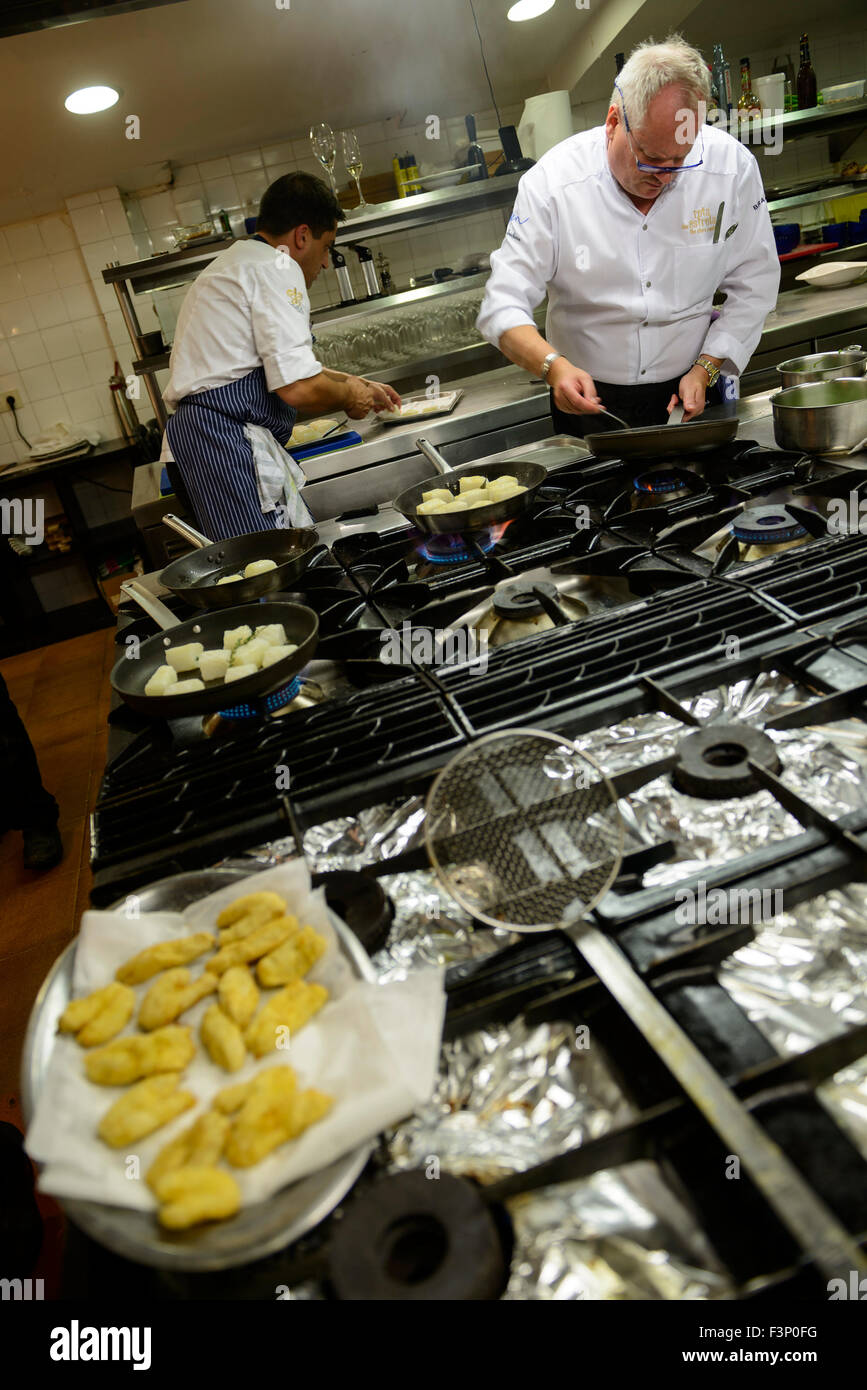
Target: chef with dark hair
243, 365
630, 229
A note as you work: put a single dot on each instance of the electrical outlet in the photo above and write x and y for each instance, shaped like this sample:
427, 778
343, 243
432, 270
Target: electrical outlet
4, 404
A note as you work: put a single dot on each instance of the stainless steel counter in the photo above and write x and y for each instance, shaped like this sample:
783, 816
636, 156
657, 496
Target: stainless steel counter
807, 313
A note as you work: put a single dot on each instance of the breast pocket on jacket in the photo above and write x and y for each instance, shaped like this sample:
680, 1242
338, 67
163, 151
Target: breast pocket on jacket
697, 272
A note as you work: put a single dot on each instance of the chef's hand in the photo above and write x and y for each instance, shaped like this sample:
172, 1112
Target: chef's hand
574, 391
691, 389
358, 397
384, 397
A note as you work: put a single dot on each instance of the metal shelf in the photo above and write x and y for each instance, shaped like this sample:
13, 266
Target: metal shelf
421, 209
824, 194
323, 318
172, 267
833, 120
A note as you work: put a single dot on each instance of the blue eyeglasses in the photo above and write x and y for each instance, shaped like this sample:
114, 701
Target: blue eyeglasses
656, 168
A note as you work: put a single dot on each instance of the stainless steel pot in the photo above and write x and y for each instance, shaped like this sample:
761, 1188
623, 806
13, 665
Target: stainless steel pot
850, 361
826, 417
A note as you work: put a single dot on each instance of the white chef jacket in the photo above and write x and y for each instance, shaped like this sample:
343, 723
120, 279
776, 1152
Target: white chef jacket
630, 293
248, 308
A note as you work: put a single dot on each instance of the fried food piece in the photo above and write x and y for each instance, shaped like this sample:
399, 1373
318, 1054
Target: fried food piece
293, 959
127, 1059
238, 994
99, 1016
144, 1108
223, 1039
191, 1195
170, 995
290, 1009
241, 906
308, 1107
199, 1146
180, 951
255, 944
231, 1098
264, 1120
256, 917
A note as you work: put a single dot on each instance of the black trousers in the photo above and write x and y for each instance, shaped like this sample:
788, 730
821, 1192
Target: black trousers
24, 802
637, 405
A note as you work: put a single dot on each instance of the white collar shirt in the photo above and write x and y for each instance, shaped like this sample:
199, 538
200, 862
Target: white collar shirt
629, 293
249, 308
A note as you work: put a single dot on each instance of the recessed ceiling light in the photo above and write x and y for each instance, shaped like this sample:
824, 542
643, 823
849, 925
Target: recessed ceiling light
528, 9
89, 99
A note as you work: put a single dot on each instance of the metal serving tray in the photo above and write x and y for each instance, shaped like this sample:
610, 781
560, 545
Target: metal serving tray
257, 1230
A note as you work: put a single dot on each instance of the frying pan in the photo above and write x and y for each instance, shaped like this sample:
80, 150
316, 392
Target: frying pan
194, 577
129, 677
657, 441
529, 475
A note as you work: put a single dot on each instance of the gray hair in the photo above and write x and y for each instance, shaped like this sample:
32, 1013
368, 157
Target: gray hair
652, 66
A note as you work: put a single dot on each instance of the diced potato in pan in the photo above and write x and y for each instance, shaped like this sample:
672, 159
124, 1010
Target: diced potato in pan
162, 678
230, 579
186, 657
470, 482
235, 635
185, 687
272, 633
437, 494
258, 567
278, 653
214, 664
237, 673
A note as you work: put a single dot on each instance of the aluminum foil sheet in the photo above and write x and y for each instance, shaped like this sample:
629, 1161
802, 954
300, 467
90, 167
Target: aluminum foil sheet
826, 765
802, 981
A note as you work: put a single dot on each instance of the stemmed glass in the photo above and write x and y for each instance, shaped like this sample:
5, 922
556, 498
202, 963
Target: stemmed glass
322, 140
353, 161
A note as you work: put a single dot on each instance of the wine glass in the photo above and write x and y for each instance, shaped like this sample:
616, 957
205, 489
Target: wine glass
352, 160
322, 140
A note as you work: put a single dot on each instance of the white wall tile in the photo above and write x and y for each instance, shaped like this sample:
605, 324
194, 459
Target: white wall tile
7, 361
118, 222
214, 169
190, 211
100, 366
82, 405
90, 333
38, 276
251, 186
185, 174
50, 309
97, 255
159, 210
5, 253
82, 200
24, 241
90, 224
72, 374
69, 268
50, 412
107, 195
11, 284
39, 382
28, 350
244, 163
79, 302
279, 154
17, 318
57, 234
221, 193
60, 342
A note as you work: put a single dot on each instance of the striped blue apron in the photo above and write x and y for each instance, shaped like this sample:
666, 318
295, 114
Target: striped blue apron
206, 437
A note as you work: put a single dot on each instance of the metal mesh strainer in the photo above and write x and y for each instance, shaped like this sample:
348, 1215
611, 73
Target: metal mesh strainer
523, 830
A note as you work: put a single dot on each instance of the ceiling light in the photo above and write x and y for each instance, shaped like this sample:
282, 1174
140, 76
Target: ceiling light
528, 9
89, 99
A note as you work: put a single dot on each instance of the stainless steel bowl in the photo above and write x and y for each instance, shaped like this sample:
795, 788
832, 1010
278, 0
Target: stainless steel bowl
826, 417
824, 366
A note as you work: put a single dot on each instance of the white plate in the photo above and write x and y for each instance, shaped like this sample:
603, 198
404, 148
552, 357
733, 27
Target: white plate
439, 405
833, 275
257, 1230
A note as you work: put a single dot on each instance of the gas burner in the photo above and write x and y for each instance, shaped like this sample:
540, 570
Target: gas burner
769, 525
713, 762
446, 549
668, 483
523, 599
297, 695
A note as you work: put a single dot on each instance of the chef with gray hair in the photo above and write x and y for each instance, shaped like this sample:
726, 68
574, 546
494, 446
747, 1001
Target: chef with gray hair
630, 228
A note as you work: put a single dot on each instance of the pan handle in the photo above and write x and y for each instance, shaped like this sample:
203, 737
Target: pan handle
432, 455
161, 615
183, 528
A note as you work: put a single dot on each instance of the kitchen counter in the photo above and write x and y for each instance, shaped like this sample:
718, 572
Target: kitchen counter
808, 313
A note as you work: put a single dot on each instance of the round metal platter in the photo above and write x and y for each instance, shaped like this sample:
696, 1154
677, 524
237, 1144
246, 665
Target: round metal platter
257, 1230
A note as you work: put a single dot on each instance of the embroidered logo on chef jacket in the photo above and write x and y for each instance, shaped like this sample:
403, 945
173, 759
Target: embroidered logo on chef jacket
511, 229
295, 297
700, 221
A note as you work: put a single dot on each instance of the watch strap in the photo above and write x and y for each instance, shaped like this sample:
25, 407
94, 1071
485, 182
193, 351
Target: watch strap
711, 368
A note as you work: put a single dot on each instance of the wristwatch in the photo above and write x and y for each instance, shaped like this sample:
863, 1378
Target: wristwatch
546, 365
710, 367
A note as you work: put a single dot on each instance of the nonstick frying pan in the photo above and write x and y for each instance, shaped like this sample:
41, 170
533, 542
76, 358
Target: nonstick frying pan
131, 674
194, 577
658, 441
529, 475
